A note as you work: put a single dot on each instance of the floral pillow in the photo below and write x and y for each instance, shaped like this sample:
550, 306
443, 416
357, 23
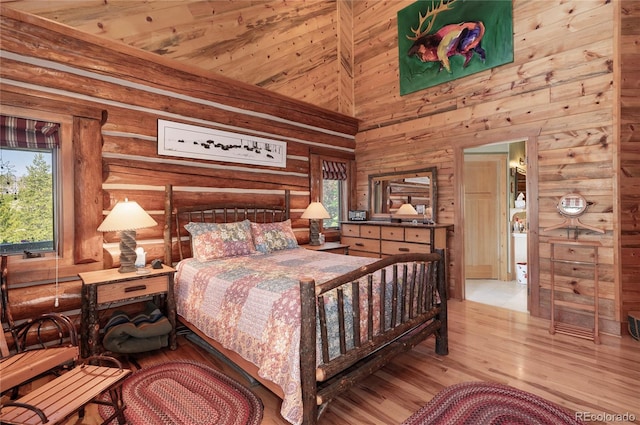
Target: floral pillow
269, 237
219, 240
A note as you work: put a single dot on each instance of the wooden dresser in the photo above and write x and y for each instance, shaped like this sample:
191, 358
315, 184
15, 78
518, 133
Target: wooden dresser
380, 238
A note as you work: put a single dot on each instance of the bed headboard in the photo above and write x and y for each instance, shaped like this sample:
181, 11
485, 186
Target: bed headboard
176, 216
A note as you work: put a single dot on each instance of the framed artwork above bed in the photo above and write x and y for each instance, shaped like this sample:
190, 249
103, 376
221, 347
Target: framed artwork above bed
190, 141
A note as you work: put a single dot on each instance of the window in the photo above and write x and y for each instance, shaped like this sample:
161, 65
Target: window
28, 158
334, 191
331, 184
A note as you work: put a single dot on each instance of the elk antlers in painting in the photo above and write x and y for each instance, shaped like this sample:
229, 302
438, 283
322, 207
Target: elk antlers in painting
454, 39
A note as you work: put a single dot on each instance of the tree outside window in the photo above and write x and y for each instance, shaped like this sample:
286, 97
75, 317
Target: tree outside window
26, 202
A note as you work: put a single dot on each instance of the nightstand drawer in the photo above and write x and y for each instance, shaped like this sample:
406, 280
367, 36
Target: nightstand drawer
135, 288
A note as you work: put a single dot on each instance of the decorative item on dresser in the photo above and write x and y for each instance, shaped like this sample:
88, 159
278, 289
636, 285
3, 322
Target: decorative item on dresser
352, 343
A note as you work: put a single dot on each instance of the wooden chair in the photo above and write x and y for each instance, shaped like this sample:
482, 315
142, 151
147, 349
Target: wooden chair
74, 386
23, 365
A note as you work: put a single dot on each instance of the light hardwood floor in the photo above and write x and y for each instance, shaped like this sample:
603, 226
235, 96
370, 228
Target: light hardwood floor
486, 344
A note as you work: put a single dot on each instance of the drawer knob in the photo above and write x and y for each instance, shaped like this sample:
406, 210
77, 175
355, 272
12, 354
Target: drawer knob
135, 288
403, 249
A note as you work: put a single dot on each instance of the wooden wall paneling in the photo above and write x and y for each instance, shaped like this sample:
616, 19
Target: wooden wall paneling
345, 102
137, 88
629, 165
190, 82
558, 93
87, 145
128, 60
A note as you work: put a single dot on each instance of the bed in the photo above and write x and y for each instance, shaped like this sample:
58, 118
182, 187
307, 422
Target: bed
305, 324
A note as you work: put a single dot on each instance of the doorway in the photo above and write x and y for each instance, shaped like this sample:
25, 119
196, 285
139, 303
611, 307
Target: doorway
493, 187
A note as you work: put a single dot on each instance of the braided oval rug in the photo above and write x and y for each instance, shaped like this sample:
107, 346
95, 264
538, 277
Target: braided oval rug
489, 403
183, 392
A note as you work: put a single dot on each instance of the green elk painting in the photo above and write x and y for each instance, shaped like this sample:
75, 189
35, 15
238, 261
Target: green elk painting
443, 40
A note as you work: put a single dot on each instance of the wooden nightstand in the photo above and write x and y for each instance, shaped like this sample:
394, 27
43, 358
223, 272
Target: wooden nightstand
104, 287
335, 247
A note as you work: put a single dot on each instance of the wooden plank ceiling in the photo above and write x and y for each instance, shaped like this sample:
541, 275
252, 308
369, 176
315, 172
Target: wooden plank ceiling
285, 47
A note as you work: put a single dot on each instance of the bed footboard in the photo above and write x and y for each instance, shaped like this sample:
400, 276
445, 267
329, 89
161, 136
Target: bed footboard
374, 321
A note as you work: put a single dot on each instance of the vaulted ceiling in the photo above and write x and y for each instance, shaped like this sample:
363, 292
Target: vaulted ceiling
287, 47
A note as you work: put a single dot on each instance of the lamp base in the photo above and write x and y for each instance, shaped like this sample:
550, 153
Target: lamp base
314, 232
127, 251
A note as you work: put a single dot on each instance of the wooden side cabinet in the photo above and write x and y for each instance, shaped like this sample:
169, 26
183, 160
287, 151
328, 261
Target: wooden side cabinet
579, 257
103, 287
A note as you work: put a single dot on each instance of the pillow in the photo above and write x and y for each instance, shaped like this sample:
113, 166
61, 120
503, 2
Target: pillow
219, 240
269, 237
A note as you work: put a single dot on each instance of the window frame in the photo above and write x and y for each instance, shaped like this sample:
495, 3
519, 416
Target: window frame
54, 154
63, 188
347, 189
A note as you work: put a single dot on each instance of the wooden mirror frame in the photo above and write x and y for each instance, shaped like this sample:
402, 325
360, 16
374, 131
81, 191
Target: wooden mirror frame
431, 172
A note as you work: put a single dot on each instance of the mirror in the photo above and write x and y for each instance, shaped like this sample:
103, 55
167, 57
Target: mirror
520, 181
572, 205
388, 191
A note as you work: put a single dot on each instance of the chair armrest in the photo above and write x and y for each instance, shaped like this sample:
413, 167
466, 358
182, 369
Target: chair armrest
60, 323
100, 360
37, 411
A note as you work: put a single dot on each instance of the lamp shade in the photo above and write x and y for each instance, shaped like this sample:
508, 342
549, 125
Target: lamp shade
127, 215
406, 209
316, 211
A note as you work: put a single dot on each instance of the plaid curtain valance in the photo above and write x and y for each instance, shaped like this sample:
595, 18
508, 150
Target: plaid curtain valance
332, 170
27, 133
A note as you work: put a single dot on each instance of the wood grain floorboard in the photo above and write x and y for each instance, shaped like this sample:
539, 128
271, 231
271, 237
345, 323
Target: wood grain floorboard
486, 344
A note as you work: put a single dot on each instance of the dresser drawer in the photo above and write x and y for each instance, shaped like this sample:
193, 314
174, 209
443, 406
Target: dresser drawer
361, 244
350, 230
392, 247
372, 232
417, 235
392, 233
136, 288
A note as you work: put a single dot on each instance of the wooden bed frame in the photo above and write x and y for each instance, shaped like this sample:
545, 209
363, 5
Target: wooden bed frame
419, 309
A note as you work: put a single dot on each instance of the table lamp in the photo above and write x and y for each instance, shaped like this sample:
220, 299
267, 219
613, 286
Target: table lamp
315, 212
126, 217
405, 209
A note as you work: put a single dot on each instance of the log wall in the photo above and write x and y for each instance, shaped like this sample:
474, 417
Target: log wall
560, 94
46, 64
629, 46
571, 92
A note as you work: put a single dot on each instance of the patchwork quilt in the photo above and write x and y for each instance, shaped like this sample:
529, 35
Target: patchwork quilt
251, 305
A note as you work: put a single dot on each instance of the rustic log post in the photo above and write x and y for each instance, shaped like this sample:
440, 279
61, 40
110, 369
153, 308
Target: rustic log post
442, 335
168, 208
87, 147
308, 351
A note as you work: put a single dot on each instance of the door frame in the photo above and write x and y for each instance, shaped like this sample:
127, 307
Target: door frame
533, 237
